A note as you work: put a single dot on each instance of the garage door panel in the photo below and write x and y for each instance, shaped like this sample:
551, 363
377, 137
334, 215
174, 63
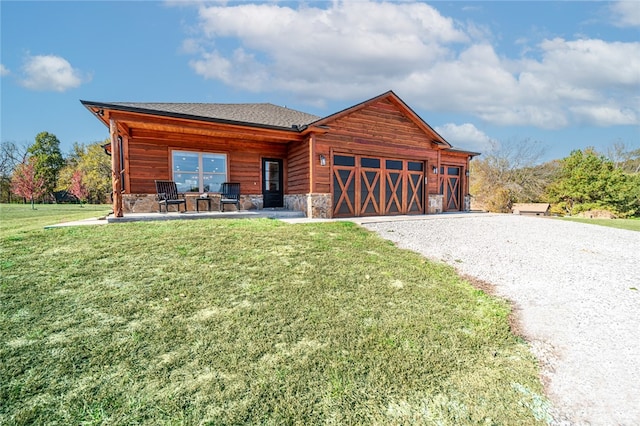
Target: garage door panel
344, 192
393, 192
415, 192
364, 185
370, 192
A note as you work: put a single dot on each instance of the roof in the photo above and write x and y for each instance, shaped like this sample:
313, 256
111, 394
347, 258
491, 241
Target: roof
531, 207
264, 114
261, 114
463, 151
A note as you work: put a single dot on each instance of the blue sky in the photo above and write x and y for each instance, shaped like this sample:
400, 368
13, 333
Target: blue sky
562, 75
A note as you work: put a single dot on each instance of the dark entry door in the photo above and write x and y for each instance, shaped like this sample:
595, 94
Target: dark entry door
272, 192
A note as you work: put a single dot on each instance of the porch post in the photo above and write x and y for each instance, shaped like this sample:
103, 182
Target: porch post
116, 176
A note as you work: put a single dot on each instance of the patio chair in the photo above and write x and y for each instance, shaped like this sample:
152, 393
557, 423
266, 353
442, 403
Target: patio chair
168, 195
229, 194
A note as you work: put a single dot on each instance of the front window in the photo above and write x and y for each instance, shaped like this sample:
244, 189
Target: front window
199, 171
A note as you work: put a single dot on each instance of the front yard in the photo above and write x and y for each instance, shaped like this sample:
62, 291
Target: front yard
248, 321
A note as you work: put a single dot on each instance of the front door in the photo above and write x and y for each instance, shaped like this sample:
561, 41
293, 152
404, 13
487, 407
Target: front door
272, 192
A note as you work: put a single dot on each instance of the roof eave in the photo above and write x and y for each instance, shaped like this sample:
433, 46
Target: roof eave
122, 108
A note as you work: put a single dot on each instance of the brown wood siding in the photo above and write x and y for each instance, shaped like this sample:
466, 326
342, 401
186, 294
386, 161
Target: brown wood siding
150, 157
298, 168
379, 130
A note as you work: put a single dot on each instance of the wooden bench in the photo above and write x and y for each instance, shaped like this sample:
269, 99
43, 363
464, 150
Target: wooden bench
168, 195
229, 194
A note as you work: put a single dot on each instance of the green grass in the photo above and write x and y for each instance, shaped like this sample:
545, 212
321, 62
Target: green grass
629, 224
17, 218
249, 322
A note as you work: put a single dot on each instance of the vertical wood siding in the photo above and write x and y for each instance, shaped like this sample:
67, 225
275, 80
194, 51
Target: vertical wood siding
379, 130
150, 158
298, 168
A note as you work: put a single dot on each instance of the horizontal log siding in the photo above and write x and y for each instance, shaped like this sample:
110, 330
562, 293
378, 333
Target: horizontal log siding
149, 158
299, 173
380, 130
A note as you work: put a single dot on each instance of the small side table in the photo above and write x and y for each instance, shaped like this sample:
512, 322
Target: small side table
208, 200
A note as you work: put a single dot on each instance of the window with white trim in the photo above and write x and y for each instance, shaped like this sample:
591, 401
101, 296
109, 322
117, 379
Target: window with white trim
199, 171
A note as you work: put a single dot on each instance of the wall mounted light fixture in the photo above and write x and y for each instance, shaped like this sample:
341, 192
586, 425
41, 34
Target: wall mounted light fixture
434, 170
100, 112
466, 173
323, 160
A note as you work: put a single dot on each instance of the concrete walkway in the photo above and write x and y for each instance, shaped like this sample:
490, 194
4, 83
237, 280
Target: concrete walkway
287, 216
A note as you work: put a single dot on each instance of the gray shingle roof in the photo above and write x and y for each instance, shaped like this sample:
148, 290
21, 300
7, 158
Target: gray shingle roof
260, 114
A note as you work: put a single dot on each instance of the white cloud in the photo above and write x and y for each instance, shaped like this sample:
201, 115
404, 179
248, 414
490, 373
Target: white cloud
354, 50
50, 72
604, 115
467, 136
626, 13
350, 46
4, 70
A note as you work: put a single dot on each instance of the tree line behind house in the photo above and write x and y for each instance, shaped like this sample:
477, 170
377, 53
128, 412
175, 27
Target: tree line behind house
585, 180
41, 173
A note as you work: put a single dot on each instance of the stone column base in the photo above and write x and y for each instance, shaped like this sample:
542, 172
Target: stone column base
312, 205
436, 203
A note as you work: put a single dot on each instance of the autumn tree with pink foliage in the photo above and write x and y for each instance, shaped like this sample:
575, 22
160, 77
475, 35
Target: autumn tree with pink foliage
78, 189
26, 183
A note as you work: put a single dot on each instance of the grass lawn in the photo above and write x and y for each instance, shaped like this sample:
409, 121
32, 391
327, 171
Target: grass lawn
18, 218
248, 322
629, 224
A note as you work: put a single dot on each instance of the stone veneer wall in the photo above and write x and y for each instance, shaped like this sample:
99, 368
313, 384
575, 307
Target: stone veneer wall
148, 203
436, 202
312, 205
467, 203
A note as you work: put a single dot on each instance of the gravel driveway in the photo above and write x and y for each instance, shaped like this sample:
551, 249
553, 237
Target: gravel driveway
575, 289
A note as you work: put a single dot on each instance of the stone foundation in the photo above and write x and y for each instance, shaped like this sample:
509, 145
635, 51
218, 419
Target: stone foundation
467, 203
296, 202
148, 203
312, 205
436, 203
139, 203
319, 206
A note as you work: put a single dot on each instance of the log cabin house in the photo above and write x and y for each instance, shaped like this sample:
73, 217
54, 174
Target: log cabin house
375, 158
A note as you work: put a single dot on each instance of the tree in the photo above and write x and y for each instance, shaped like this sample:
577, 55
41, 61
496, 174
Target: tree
589, 181
623, 157
77, 188
95, 166
26, 183
11, 155
48, 159
509, 175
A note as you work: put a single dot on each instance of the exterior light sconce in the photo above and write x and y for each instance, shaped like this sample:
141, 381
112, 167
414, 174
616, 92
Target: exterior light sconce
466, 173
434, 170
100, 113
323, 160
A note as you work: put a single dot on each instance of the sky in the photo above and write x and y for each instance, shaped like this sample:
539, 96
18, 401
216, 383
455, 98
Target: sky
556, 75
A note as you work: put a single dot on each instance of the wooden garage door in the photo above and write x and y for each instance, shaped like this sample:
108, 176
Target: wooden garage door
371, 186
450, 187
